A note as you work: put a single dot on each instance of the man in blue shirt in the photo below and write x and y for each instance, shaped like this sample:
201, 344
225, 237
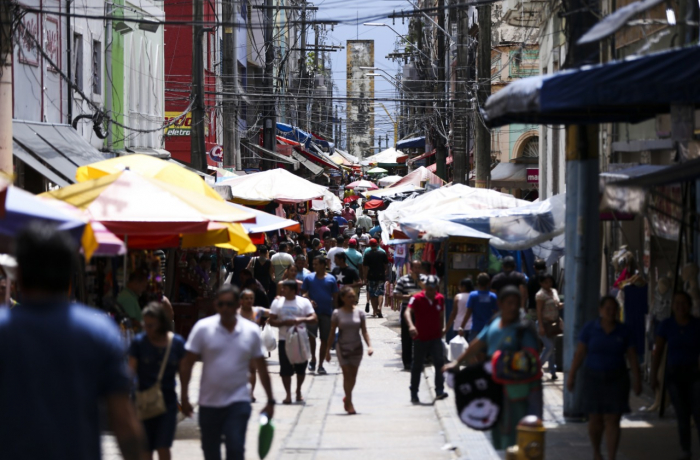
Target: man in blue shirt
482, 304
58, 361
322, 289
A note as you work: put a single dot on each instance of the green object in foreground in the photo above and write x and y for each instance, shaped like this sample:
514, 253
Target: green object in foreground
267, 432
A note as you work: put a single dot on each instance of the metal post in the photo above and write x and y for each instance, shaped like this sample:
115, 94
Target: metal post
460, 152
228, 84
483, 135
270, 123
236, 100
109, 33
6, 88
69, 60
302, 68
198, 160
440, 147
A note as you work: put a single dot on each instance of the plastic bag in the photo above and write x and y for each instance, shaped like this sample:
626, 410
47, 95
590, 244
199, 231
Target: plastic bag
268, 338
457, 346
297, 345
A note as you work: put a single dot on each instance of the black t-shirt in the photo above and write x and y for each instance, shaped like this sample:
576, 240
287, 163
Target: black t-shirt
376, 261
502, 280
345, 276
312, 256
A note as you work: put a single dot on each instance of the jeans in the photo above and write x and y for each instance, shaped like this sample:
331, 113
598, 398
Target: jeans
548, 353
406, 341
231, 422
421, 348
683, 385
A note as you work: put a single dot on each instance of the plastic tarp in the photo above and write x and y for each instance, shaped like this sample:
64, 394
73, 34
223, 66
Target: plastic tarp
284, 127
418, 177
510, 175
631, 90
412, 143
448, 161
266, 222
351, 158
537, 226
388, 181
388, 156
616, 20
391, 191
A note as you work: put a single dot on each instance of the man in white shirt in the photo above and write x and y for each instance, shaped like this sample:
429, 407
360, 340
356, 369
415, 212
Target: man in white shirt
281, 261
364, 222
291, 310
340, 241
226, 344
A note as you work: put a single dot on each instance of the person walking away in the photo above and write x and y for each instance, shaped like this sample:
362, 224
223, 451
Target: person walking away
510, 277
151, 349
603, 345
344, 275
226, 344
425, 316
128, 298
338, 224
681, 335
405, 288
323, 230
321, 289
375, 263
350, 322
314, 252
263, 272
282, 260
337, 248
548, 307
59, 361
533, 287
482, 305
291, 273
287, 311
507, 333
459, 309
364, 222
256, 315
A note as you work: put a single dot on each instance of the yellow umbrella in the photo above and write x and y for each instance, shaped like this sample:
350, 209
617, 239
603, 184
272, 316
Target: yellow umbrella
222, 235
150, 167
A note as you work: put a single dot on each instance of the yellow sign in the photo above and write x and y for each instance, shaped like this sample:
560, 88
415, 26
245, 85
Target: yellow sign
181, 127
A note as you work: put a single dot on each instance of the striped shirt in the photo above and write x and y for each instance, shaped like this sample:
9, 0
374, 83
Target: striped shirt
406, 285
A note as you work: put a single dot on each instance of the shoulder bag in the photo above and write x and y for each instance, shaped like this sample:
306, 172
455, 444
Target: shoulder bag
518, 366
150, 402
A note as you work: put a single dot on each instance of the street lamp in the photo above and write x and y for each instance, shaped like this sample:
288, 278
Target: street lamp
381, 24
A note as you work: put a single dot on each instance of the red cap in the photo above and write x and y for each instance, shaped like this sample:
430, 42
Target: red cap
372, 242
352, 242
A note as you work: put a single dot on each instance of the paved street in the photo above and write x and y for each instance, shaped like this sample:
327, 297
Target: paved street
388, 426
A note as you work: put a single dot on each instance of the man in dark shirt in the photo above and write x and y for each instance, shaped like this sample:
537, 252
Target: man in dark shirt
58, 361
533, 285
509, 277
345, 275
314, 252
405, 288
375, 263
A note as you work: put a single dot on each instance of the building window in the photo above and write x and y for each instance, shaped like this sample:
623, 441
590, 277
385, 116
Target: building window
96, 67
524, 63
78, 61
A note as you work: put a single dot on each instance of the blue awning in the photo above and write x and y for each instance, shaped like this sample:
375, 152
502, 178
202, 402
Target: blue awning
632, 90
412, 143
285, 128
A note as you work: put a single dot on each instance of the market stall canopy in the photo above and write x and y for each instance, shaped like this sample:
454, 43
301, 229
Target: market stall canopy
148, 166
422, 156
308, 164
616, 20
266, 222
510, 175
277, 185
55, 151
222, 235
419, 178
368, 185
388, 181
632, 90
390, 157
537, 226
377, 170
130, 204
412, 143
351, 158
391, 191
448, 161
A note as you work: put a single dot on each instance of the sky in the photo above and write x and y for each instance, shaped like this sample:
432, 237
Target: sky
349, 28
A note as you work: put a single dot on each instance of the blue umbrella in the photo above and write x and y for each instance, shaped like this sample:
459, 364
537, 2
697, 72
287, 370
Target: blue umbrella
264, 222
22, 207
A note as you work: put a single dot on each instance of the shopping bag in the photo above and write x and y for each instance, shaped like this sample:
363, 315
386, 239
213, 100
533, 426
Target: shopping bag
297, 347
265, 436
268, 338
478, 398
457, 346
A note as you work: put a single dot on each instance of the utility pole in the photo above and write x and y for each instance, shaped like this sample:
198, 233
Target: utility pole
6, 164
302, 68
582, 215
270, 121
315, 106
440, 147
236, 99
482, 154
460, 151
199, 160
109, 104
229, 85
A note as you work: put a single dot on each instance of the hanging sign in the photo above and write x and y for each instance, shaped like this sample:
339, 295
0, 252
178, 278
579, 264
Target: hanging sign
216, 153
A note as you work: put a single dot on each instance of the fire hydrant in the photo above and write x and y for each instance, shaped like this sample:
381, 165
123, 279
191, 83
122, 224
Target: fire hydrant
530, 442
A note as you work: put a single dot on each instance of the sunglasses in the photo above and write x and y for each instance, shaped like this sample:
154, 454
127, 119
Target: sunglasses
226, 304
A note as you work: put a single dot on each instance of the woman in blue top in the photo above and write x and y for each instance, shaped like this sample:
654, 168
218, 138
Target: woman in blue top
508, 333
145, 357
603, 345
681, 334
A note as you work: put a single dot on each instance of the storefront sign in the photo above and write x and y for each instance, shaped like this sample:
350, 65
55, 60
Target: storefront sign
533, 175
181, 127
216, 153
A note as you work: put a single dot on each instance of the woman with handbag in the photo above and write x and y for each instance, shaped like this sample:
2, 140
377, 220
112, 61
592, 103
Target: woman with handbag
508, 340
352, 326
548, 320
154, 356
603, 345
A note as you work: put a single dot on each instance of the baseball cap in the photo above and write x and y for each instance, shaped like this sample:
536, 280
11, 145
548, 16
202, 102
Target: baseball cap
352, 242
431, 281
372, 242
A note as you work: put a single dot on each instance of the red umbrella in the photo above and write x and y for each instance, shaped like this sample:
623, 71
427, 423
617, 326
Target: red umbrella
362, 184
